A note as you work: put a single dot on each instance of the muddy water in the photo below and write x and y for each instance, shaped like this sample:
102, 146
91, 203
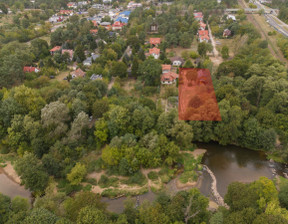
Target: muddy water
230, 164
226, 163
10, 188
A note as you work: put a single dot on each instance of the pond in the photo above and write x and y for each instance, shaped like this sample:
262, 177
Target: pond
232, 163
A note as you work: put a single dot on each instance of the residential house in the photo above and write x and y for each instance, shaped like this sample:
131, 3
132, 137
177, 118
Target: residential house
155, 52
56, 19
154, 28
166, 68
66, 12
122, 19
198, 16
96, 77
202, 26
203, 36
82, 3
169, 78
231, 17
70, 52
177, 61
89, 60
30, 69
227, 33
78, 73
72, 5
117, 25
155, 41
94, 23
125, 14
133, 5
97, 6
55, 50
94, 32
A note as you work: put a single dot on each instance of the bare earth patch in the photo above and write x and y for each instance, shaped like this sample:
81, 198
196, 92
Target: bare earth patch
11, 173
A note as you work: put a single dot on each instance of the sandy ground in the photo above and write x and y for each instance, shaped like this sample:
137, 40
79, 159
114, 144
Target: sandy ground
196, 152
11, 173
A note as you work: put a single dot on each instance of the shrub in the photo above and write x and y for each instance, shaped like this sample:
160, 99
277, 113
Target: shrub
153, 175
138, 178
188, 176
108, 182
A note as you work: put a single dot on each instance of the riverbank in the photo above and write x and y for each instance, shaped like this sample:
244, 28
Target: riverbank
153, 180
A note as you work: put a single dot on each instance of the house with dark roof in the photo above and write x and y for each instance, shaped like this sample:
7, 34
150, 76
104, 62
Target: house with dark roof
177, 61
96, 77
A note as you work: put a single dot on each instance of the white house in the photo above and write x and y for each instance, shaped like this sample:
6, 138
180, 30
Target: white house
231, 17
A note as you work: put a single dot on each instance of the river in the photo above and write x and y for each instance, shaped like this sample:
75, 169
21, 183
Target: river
226, 163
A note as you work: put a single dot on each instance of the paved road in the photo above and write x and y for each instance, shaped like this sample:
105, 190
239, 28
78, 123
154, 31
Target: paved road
276, 23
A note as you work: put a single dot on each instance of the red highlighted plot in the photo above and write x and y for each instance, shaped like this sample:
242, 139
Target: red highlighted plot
197, 99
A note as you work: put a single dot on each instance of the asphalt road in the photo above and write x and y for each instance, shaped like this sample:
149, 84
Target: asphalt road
276, 23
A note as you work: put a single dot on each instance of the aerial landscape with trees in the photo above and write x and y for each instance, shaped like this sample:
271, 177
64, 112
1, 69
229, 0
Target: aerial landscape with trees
89, 112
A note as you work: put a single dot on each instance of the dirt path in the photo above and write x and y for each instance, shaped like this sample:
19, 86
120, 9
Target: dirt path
196, 153
110, 85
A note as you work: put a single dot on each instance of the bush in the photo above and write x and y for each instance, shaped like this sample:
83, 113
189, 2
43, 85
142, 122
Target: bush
95, 165
138, 178
149, 90
153, 175
105, 182
188, 176
92, 181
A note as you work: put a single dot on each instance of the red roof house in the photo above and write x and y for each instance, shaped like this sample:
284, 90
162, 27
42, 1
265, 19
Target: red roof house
30, 69
166, 68
66, 12
169, 78
155, 41
55, 49
70, 52
94, 23
203, 35
155, 52
117, 25
198, 16
95, 31
78, 73
202, 25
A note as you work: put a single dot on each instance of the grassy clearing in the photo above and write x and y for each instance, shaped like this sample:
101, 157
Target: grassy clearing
191, 166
